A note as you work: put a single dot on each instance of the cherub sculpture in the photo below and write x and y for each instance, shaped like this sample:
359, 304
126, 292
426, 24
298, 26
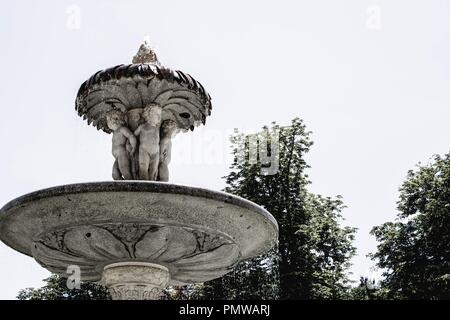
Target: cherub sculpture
123, 144
148, 134
167, 132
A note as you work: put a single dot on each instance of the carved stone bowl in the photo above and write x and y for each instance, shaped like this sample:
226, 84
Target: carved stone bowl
197, 234
130, 88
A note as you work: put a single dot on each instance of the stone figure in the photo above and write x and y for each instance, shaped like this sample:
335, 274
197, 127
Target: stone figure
167, 132
134, 119
123, 145
148, 134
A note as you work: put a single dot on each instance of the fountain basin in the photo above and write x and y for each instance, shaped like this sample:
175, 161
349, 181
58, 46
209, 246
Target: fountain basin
197, 234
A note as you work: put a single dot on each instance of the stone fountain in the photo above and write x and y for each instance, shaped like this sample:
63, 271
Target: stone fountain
139, 234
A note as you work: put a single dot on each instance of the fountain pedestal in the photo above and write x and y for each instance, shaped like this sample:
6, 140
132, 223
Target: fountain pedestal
135, 280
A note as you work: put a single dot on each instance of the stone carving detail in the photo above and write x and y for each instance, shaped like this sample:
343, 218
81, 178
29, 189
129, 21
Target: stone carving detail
168, 130
145, 153
148, 134
146, 54
119, 100
123, 145
129, 87
194, 254
135, 280
135, 292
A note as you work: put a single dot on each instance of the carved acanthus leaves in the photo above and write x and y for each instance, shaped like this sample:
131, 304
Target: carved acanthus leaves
135, 292
194, 255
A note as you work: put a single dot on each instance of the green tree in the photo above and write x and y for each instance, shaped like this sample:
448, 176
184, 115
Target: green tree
367, 290
414, 251
56, 289
314, 250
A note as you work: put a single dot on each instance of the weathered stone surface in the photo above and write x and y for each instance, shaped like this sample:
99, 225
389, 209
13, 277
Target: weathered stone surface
134, 86
183, 249
146, 54
135, 280
142, 150
197, 234
117, 100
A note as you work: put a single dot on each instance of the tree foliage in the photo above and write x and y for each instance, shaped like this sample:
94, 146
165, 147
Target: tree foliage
414, 251
367, 289
56, 289
314, 250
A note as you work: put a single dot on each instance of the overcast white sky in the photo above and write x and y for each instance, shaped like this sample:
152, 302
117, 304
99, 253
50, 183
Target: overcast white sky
371, 79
